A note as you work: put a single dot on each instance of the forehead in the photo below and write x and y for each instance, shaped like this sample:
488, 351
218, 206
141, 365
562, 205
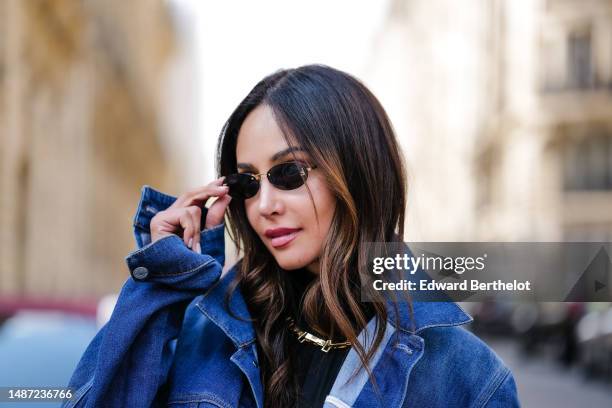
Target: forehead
260, 137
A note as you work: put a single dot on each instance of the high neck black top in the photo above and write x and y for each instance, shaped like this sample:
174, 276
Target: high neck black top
316, 369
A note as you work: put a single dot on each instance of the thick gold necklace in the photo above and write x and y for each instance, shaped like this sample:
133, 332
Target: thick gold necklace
303, 336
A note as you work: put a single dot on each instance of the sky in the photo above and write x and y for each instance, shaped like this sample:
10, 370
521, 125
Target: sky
230, 45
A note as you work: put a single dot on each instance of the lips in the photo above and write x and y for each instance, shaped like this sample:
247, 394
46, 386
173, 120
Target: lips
280, 237
277, 232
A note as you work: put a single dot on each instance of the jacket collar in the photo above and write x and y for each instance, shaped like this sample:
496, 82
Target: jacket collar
212, 304
241, 332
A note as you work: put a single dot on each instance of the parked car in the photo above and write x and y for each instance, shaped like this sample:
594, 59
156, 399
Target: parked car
40, 345
595, 341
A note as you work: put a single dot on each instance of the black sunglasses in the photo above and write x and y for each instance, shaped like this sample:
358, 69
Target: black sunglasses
285, 176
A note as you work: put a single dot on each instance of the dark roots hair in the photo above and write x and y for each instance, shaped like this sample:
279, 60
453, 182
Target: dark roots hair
346, 132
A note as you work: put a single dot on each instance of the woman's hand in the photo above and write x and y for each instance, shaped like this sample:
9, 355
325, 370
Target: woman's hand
183, 216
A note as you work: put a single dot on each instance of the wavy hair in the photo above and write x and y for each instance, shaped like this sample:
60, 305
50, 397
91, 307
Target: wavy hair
346, 132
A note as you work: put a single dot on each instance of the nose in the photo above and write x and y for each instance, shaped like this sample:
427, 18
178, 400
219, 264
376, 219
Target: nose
270, 201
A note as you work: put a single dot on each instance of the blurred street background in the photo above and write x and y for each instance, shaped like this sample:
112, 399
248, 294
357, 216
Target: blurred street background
503, 109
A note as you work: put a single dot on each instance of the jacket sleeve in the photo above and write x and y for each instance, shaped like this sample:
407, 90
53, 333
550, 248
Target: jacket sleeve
127, 362
505, 395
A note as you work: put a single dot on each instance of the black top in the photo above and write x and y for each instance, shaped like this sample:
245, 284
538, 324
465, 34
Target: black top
316, 369
317, 372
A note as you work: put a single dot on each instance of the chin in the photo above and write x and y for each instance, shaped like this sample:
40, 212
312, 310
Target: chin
290, 262
290, 265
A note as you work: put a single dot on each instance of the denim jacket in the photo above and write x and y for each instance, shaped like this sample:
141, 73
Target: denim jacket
170, 342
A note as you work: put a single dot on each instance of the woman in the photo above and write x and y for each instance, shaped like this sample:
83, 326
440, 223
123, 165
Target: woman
310, 171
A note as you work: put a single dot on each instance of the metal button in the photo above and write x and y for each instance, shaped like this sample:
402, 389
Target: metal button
140, 273
255, 363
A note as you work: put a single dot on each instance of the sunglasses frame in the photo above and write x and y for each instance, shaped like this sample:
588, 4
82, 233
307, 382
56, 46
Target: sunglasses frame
304, 170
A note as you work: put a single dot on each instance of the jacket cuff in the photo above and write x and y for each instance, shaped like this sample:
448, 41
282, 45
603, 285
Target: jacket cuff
165, 259
212, 242
153, 201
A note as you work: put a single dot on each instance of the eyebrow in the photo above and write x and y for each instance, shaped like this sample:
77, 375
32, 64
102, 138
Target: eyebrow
274, 157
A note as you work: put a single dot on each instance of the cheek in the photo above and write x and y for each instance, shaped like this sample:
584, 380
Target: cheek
297, 209
326, 207
251, 213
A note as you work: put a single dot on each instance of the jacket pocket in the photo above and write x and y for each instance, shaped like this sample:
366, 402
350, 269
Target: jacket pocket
200, 400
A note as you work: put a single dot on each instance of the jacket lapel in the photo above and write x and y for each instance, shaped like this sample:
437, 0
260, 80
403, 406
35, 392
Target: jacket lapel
345, 391
238, 329
400, 350
246, 359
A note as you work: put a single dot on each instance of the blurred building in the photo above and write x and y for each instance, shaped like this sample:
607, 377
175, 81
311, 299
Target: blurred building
430, 68
545, 162
504, 109
81, 130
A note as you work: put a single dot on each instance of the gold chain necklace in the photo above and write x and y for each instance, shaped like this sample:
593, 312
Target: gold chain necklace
303, 336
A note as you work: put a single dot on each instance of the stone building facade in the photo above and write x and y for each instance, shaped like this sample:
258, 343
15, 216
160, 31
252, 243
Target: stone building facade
504, 109
80, 133
545, 162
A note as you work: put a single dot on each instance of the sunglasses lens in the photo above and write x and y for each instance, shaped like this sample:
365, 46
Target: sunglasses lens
242, 186
287, 176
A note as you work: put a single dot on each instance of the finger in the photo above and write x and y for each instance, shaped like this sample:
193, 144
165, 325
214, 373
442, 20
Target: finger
216, 212
201, 198
186, 223
200, 195
164, 223
196, 213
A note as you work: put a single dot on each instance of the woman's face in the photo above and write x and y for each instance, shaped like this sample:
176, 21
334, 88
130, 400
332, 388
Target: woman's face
259, 140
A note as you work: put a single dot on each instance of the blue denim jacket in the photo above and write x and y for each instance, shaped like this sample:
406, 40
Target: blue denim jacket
170, 342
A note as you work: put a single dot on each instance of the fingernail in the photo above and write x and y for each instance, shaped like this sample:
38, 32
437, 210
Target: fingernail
190, 242
198, 248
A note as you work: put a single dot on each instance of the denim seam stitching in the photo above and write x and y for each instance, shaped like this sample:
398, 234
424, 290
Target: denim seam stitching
429, 326
80, 393
143, 192
212, 229
193, 270
404, 348
417, 331
498, 380
234, 340
206, 397
466, 313
147, 190
418, 357
139, 250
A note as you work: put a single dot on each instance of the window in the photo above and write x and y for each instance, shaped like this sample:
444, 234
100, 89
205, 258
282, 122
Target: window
580, 69
587, 164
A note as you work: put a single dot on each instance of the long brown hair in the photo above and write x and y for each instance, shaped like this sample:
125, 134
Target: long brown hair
347, 134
